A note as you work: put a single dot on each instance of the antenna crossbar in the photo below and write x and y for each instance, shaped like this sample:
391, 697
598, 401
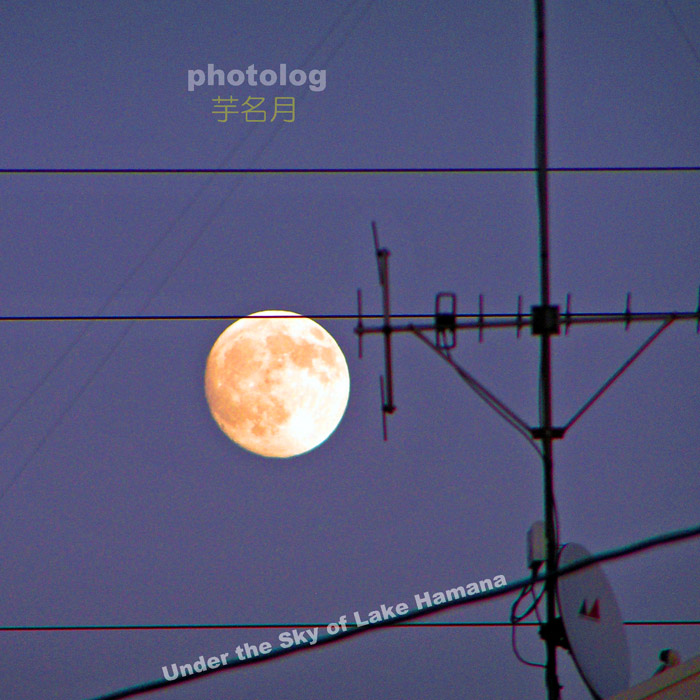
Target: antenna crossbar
483, 322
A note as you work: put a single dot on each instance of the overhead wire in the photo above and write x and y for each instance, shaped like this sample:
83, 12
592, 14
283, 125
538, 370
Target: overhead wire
288, 625
277, 652
347, 171
510, 319
149, 252
494, 403
168, 229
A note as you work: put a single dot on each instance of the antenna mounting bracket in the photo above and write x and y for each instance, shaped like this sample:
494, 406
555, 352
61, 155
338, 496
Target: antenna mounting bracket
545, 320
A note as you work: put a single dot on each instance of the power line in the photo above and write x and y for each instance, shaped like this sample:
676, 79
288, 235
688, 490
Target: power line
276, 652
192, 242
345, 171
287, 625
163, 318
509, 320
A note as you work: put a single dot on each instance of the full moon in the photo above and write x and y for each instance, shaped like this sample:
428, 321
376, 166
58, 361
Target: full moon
277, 386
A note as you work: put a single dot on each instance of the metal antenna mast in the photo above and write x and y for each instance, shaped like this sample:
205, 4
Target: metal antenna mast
545, 321
548, 326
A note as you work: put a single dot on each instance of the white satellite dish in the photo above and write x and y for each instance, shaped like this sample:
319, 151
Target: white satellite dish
593, 625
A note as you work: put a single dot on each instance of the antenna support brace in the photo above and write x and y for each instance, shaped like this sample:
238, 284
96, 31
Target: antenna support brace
545, 320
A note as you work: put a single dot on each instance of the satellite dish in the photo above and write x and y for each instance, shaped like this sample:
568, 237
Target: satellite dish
593, 625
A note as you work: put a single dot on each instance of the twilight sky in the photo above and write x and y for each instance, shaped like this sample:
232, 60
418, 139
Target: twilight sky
122, 503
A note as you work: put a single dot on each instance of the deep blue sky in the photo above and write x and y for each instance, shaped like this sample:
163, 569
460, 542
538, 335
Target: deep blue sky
124, 503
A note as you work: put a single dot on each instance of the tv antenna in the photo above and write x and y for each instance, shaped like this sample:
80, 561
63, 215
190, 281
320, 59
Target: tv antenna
544, 320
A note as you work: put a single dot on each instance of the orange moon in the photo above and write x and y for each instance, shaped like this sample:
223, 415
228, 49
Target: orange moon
277, 386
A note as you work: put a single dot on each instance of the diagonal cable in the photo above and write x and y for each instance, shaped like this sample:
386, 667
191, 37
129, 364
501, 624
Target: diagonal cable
168, 275
682, 32
168, 229
277, 652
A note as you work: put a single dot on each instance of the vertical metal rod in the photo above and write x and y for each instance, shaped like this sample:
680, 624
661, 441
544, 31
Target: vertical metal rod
383, 265
388, 370
552, 681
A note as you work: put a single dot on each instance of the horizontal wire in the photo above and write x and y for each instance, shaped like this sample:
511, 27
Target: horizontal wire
133, 628
524, 319
178, 317
340, 171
